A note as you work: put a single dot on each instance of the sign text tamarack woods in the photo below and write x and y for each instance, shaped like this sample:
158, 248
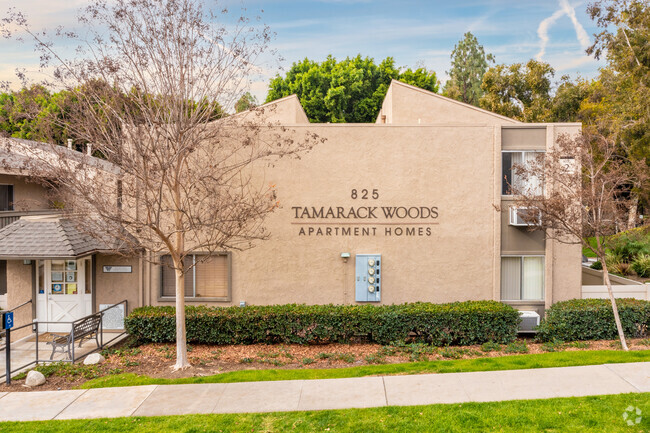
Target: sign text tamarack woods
364, 220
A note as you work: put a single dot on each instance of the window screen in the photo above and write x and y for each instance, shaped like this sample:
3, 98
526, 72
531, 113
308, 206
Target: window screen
211, 277
169, 277
208, 278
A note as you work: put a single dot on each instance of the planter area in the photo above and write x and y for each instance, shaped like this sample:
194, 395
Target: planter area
156, 359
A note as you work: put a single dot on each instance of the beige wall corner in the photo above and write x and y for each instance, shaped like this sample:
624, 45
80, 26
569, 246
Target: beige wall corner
283, 111
411, 105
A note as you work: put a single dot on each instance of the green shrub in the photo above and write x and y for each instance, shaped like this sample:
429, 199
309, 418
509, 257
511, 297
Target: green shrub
628, 249
375, 358
490, 346
597, 265
579, 345
642, 265
621, 268
553, 346
458, 323
516, 347
593, 319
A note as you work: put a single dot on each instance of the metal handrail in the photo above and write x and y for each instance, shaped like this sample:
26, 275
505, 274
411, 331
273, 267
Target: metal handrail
35, 324
21, 305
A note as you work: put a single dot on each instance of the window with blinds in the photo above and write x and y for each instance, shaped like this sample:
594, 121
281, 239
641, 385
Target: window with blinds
206, 277
522, 278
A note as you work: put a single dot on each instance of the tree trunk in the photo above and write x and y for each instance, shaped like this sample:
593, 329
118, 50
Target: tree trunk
632, 214
617, 319
181, 342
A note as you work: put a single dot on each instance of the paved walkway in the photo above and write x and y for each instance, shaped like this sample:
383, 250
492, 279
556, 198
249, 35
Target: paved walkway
327, 393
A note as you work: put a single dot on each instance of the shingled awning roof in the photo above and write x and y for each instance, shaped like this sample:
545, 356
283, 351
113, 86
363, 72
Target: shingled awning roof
46, 238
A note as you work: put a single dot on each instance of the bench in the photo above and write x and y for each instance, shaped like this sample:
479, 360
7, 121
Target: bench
81, 329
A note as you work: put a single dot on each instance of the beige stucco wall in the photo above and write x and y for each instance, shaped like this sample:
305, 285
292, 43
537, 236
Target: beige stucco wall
19, 290
27, 195
409, 105
427, 166
455, 168
111, 288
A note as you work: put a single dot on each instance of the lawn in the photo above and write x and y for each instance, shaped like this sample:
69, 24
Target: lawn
599, 413
514, 362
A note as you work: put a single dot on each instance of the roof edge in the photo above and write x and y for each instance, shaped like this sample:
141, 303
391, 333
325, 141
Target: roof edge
463, 104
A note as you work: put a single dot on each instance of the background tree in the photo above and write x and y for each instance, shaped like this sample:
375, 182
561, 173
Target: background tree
584, 178
246, 102
522, 92
350, 91
149, 84
468, 65
625, 83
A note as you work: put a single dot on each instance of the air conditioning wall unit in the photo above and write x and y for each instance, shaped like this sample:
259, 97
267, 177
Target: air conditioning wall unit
529, 321
520, 216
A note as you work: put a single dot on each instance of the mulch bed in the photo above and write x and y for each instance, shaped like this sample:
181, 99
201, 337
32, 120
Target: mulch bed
157, 360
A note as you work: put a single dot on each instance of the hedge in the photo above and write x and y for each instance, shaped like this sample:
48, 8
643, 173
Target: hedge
459, 323
593, 319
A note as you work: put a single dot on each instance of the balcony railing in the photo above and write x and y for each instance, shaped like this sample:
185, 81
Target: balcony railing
8, 217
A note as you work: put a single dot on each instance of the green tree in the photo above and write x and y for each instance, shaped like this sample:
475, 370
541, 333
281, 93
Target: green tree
351, 90
622, 102
567, 104
468, 65
246, 102
519, 91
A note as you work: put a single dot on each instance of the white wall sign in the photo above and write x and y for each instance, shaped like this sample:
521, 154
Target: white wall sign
114, 317
117, 269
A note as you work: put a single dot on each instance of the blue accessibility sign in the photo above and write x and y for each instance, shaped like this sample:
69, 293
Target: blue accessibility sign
8, 320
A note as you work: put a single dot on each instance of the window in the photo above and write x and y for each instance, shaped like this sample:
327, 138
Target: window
509, 178
522, 278
6, 197
207, 277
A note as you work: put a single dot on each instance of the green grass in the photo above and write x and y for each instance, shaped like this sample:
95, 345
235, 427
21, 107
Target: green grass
515, 362
578, 414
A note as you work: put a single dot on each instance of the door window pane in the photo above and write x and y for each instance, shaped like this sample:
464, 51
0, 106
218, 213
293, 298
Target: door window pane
57, 275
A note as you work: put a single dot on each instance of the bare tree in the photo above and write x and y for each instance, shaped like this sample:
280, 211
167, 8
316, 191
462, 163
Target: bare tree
586, 192
177, 176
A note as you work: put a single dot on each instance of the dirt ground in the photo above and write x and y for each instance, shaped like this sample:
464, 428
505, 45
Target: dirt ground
156, 360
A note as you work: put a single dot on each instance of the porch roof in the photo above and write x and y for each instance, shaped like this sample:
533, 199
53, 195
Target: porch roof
46, 238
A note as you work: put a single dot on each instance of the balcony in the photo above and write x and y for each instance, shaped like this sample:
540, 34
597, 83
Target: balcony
8, 217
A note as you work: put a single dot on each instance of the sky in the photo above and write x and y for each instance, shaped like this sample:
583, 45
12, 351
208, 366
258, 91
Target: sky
414, 32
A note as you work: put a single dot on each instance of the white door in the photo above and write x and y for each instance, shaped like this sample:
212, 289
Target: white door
63, 295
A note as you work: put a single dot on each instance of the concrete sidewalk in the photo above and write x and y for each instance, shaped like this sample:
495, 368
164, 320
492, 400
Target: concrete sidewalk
294, 395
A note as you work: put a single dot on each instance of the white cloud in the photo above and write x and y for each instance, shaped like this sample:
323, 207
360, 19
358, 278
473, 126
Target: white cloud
542, 32
581, 34
546, 23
